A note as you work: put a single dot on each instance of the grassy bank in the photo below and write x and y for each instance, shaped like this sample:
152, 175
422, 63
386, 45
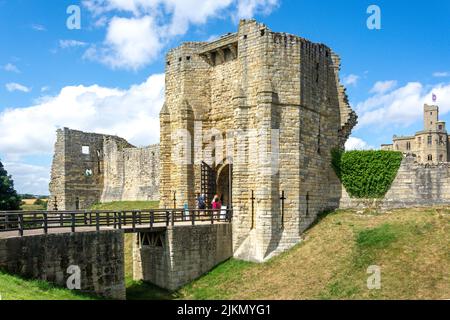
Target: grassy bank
410, 246
16, 288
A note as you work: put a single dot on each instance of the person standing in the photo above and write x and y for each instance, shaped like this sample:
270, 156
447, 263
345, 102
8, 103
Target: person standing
201, 204
216, 203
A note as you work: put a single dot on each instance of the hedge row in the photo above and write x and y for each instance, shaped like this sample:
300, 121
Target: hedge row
367, 174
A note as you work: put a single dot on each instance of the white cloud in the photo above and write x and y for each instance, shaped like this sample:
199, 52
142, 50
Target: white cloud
440, 74
140, 29
64, 44
11, 68
13, 86
383, 86
354, 143
130, 43
29, 178
38, 27
351, 79
402, 106
132, 114
45, 88
248, 8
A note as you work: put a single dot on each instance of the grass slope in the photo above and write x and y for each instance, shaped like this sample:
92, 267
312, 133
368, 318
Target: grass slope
126, 205
16, 288
410, 246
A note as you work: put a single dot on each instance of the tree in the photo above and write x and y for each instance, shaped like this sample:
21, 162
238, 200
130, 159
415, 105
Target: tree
9, 200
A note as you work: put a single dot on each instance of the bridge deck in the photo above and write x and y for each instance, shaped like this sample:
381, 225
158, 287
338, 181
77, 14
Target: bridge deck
18, 223
126, 229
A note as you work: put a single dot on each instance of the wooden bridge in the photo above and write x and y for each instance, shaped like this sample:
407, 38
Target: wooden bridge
22, 223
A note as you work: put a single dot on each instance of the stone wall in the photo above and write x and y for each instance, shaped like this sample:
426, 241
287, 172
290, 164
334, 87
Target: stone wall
276, 99
89, 168
100, 256
131, 173
175, 257
416, 185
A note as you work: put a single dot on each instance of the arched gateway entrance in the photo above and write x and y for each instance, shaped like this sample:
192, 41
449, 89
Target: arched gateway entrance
224, 183
217, 181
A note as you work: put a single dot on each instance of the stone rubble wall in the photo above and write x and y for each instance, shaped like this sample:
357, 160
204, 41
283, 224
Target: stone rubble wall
118, 171
99, 255
186, 254
130, 174
416, 185
268, 81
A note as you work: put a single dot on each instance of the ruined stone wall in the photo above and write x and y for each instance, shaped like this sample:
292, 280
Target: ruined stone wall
130, 173
416, 185
99, 255
283, 93
89, 168
76, 178
184, 254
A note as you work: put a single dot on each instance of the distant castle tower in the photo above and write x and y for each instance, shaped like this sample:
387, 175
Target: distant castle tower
429, 145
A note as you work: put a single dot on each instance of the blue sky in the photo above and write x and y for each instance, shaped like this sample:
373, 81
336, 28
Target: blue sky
108, 76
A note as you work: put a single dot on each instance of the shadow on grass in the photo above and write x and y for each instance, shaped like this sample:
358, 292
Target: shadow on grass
140, 290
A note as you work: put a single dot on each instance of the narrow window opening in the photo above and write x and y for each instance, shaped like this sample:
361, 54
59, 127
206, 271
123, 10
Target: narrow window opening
307, 204
85, 150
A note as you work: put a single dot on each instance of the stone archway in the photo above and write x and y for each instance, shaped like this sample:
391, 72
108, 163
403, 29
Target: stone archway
224, 183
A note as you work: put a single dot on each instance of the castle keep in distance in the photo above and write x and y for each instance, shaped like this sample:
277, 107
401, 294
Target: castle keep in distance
429, 145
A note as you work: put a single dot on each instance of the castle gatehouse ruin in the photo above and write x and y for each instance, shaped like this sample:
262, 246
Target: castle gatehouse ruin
253, 117
90, 168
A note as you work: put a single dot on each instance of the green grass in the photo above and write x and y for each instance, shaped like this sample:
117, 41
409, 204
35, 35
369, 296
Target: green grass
16, 288
411, 247
127, 205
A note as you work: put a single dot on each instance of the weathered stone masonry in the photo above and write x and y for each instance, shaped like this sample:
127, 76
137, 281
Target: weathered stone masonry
175, 256
416, 185
255, 80
99, 255
89, 168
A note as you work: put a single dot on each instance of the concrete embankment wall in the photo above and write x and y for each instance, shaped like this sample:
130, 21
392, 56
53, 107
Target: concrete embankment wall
99, 255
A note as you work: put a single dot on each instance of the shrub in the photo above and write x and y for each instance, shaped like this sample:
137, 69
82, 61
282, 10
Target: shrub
39, 202
366, 174
9, 200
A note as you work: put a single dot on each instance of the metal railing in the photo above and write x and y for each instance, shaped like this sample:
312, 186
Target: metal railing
130, 220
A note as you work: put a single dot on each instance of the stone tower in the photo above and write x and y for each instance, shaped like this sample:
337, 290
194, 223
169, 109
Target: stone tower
429, 145
254, 116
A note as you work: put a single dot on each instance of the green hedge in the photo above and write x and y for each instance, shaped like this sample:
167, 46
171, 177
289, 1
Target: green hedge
367, 174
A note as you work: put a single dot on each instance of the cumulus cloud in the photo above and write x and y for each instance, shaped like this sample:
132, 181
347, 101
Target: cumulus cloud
132, 114
11, 68
64, 44
383, 86
139, 29
402, 106
13, 86
351, 80
29, 178
130, 43
354, 143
